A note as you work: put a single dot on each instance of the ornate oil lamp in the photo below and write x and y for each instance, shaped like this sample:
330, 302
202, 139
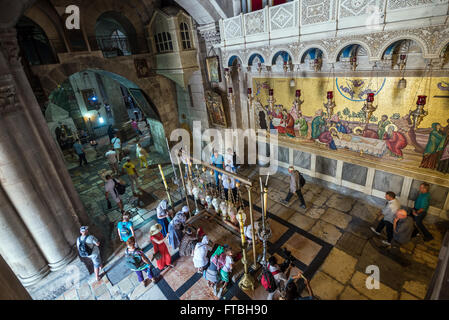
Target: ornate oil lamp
330, 104
419, 113
369, 106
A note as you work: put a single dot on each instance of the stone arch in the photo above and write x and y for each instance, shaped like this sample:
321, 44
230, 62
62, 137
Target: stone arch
274, 54
253, 55
94, 10
379, 54
233, 58
334, 55
441, 49
158, 88
301, 55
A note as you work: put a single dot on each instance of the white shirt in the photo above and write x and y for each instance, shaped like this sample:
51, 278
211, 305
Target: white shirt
228, 264
111, 156
229, 159
117, 143
226, 183
109, 187
138, 151
279, 276
200, 255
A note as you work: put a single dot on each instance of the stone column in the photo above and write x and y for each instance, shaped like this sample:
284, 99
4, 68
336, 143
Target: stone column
10, 287
24, 181
48, 166
18, 247
115, 100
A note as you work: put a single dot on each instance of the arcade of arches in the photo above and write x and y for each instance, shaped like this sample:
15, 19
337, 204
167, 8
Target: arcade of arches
359, 107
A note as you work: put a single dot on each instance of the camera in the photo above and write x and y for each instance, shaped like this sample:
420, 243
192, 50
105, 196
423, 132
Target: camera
288, 261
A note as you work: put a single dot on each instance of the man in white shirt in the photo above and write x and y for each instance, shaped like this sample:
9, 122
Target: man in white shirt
86, 243
117, 144
111, 156
226, 271
388, 215
229, 183
278, 275
229, 158
111, 191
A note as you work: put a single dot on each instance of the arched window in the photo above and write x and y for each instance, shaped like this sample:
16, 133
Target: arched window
185, 36
163, 42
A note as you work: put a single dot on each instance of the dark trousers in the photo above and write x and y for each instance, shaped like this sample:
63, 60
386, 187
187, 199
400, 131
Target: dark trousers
299, 193
389, 227
82, 158
419, 226
234, 193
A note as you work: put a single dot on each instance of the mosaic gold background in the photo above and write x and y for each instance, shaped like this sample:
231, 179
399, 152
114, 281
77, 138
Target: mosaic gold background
390, 99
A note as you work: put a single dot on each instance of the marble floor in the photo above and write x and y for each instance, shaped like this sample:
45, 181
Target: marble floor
330, 240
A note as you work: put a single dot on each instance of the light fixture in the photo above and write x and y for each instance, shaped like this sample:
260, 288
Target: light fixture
369, 106
419, 113
330, 104
101, 120
292, 83
402, 83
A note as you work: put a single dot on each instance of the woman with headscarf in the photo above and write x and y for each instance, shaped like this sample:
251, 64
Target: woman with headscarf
176, 226
163, 216
161, 253
200, 260
188, 242
433, 147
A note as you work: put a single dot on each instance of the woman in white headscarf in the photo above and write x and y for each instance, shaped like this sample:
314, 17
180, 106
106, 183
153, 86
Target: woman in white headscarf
163, 216
200, 260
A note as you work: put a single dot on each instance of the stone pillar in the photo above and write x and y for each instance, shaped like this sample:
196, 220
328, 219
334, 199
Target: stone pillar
18, 247
49, 167
24, 182
10, 287
115, 100
28, 174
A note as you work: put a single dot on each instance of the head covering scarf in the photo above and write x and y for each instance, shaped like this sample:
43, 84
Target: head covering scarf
161, 208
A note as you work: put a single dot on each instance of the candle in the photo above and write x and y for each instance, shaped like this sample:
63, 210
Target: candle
270, 92
421, 100
250, 91
298, 93
330, 94
370, 97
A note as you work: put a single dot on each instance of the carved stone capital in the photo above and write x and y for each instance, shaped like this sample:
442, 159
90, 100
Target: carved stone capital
9, 46
210, 33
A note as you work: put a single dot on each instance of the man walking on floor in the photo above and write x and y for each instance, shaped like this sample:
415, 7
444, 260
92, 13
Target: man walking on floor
132, 174
88, 247
297, 181
388, 216
80, 152
419, 212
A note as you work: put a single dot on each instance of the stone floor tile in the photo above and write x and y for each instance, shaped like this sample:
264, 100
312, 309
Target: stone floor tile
84, 291
339, 265
302, 221
407, 296
100, 290
325, 287
326, 232
105, 296
351, 294
153, 293
340, 202
416, 288
351, 244
71, 295
365, 212
384, 292
336, 217
315, 212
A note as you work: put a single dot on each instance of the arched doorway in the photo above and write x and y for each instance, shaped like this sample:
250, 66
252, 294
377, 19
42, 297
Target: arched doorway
115, 35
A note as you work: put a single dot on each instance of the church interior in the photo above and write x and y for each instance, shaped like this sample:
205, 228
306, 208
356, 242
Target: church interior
335, 161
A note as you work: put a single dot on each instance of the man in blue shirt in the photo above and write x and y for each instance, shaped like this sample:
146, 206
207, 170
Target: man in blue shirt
419, 212
80, 152
217, 160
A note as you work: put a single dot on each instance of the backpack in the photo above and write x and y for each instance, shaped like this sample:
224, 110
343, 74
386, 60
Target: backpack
134, 260
119, 188
124, 232
83, 249
267, 280
302, 181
